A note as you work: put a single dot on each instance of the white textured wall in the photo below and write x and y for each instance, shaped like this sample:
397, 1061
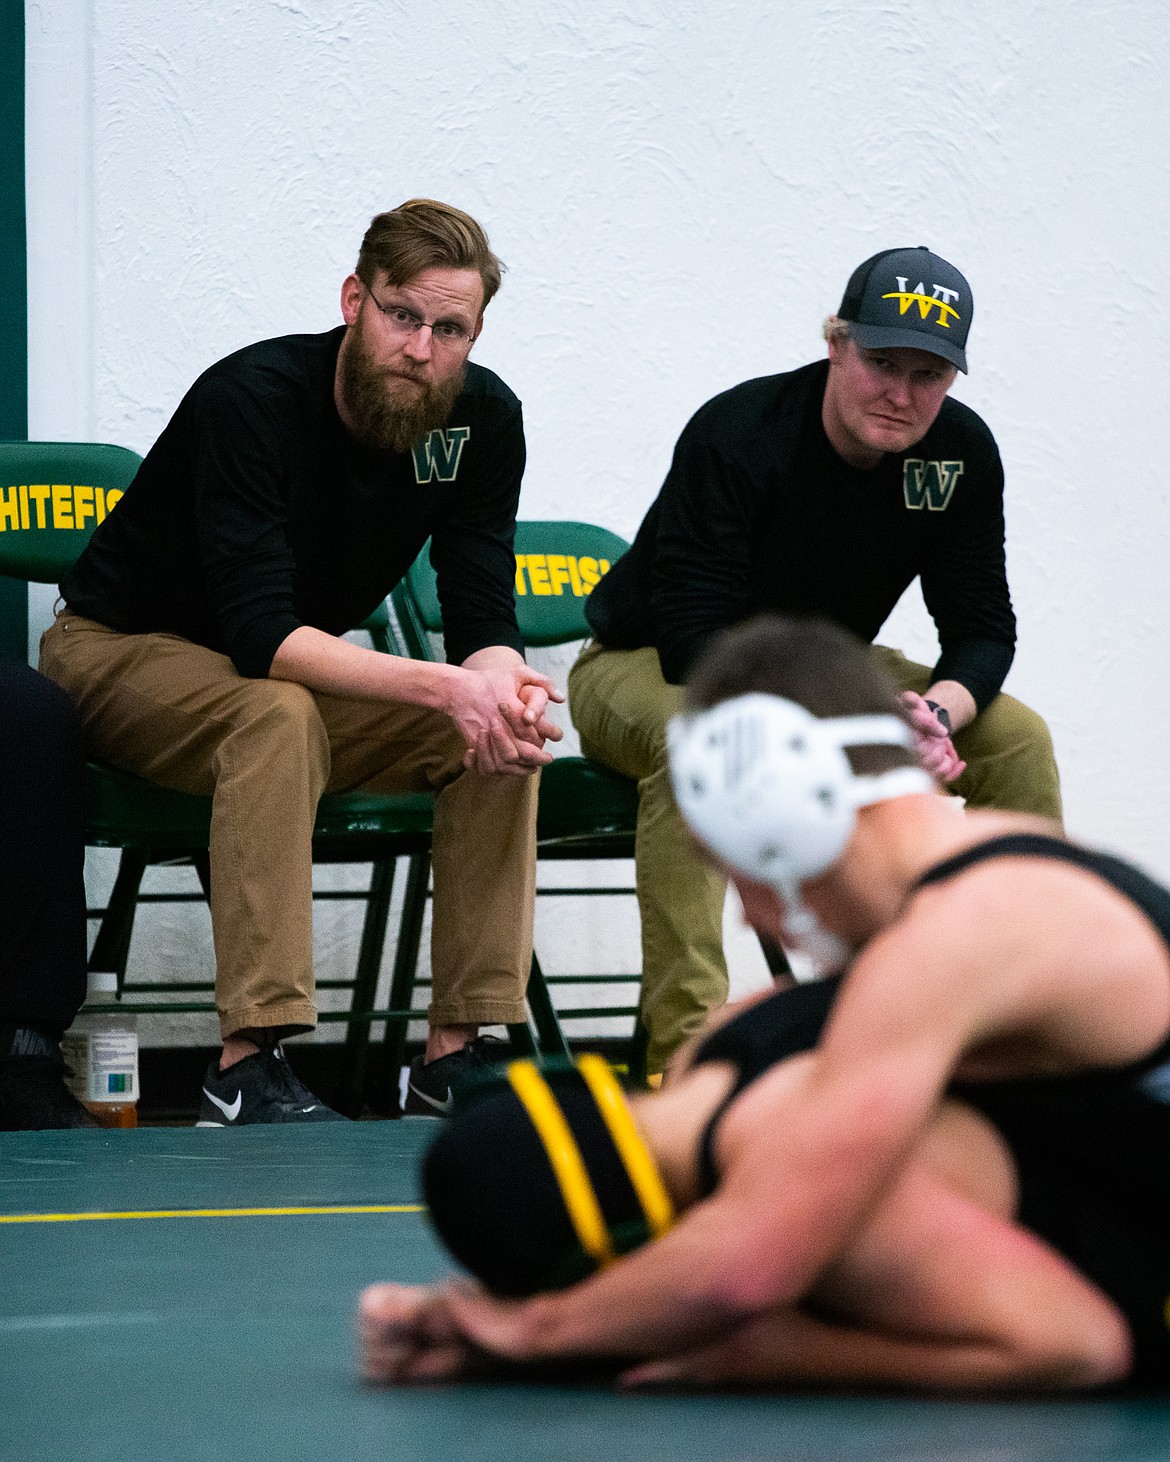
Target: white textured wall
680, 190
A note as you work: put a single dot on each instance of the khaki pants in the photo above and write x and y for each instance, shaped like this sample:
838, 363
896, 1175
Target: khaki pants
264, 751
620, 705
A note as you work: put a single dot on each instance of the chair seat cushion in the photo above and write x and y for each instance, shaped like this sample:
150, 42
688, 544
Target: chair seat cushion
584, 803
581, 802
126, 811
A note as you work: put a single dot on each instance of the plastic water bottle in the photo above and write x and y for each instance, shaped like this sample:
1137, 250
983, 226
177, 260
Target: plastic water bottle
102, 1051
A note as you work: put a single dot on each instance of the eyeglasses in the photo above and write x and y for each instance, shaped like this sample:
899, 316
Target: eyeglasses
446, 334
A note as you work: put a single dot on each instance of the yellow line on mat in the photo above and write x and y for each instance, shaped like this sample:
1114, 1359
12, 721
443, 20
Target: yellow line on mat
210, 1213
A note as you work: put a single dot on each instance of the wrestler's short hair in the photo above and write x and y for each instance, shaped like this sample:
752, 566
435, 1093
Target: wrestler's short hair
423, 234
819, 665
540, 1178
835, 328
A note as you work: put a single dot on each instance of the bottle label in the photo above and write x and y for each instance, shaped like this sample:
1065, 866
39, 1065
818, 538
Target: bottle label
104, 1063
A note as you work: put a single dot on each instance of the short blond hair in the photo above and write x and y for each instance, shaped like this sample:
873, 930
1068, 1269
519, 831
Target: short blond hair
424, 234
837, 329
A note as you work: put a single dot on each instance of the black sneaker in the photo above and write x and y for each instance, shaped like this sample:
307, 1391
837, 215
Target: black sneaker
33, 1095
433, 1087
260, 1088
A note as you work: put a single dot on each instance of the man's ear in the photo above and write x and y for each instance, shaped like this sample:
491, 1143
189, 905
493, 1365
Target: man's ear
351, 298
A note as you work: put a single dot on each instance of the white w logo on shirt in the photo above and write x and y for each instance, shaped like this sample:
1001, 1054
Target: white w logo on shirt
438, 454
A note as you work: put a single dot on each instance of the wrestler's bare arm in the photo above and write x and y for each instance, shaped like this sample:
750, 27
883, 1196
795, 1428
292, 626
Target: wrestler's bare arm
792, 1194
803, 1152
939, 1290
806, 1152
937, 1293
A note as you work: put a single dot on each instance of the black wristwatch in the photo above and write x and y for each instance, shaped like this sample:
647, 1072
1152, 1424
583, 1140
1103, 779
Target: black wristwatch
941, 715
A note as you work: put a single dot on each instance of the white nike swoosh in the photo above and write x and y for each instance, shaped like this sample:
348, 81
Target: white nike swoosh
446, 1107
308, 1109
230, 1110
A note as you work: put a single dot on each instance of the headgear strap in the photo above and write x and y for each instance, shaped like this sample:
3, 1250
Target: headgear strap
640, 1167
565, 1159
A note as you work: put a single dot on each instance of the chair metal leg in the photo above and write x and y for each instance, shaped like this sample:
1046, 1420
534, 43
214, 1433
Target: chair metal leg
522, 1042
639, 1048
201, 862
777, 962
550, 1036
402, 983
111, 947
365, 985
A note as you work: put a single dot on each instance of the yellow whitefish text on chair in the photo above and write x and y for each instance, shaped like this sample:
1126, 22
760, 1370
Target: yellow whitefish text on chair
553, 573
59, 505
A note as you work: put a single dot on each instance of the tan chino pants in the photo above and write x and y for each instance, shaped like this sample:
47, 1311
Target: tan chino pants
264, 751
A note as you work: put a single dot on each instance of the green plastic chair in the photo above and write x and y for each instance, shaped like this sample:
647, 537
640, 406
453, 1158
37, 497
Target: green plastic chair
52, 496
585, 810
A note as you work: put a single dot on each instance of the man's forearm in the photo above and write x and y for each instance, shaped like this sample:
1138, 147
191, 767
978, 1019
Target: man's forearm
956, 700
334, 666
496, 703
643, 1306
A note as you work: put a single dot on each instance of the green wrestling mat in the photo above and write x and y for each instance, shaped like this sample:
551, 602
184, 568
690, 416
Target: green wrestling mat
229, 1335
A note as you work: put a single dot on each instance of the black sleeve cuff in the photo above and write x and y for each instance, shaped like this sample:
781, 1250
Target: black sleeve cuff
253, 650
980, 665
459, 645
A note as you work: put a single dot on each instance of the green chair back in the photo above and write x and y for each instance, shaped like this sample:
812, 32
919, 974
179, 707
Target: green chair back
52, 496
557, 567
585, 810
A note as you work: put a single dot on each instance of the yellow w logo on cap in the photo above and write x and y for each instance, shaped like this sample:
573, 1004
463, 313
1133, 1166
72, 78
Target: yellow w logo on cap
925, 303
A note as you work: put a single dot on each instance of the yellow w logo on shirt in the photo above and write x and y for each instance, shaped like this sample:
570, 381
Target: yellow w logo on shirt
438, 454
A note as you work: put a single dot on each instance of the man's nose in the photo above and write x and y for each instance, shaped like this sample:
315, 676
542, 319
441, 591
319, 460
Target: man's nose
898, 390
421, 345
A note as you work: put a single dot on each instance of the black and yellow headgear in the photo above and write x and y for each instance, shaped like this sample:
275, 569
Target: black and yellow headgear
541, 1180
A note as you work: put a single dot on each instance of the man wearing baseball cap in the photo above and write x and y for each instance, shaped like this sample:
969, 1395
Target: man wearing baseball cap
823, 491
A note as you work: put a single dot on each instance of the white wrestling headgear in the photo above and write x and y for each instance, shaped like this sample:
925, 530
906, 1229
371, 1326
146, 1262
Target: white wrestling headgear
766, 785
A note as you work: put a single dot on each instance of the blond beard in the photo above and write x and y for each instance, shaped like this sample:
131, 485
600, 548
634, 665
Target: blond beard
381, 409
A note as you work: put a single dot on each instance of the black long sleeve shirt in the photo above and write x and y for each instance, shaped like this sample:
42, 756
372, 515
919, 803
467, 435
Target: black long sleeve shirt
256, 512
758, 512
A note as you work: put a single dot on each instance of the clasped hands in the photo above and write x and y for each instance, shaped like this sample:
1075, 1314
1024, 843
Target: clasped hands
932, 740
499, 705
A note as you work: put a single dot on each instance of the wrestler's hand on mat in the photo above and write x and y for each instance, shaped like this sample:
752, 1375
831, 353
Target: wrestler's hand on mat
408, 1337
437, 1332
933, 742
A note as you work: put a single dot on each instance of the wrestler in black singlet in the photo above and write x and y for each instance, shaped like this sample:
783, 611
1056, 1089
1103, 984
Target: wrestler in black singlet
1092, 1150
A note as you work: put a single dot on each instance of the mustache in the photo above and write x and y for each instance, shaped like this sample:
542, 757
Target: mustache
380, 416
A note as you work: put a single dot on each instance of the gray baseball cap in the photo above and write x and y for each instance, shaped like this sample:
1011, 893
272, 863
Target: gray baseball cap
913, 298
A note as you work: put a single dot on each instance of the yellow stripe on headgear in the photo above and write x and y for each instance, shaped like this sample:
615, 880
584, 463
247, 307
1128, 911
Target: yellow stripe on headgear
639, 1165
565, 1158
